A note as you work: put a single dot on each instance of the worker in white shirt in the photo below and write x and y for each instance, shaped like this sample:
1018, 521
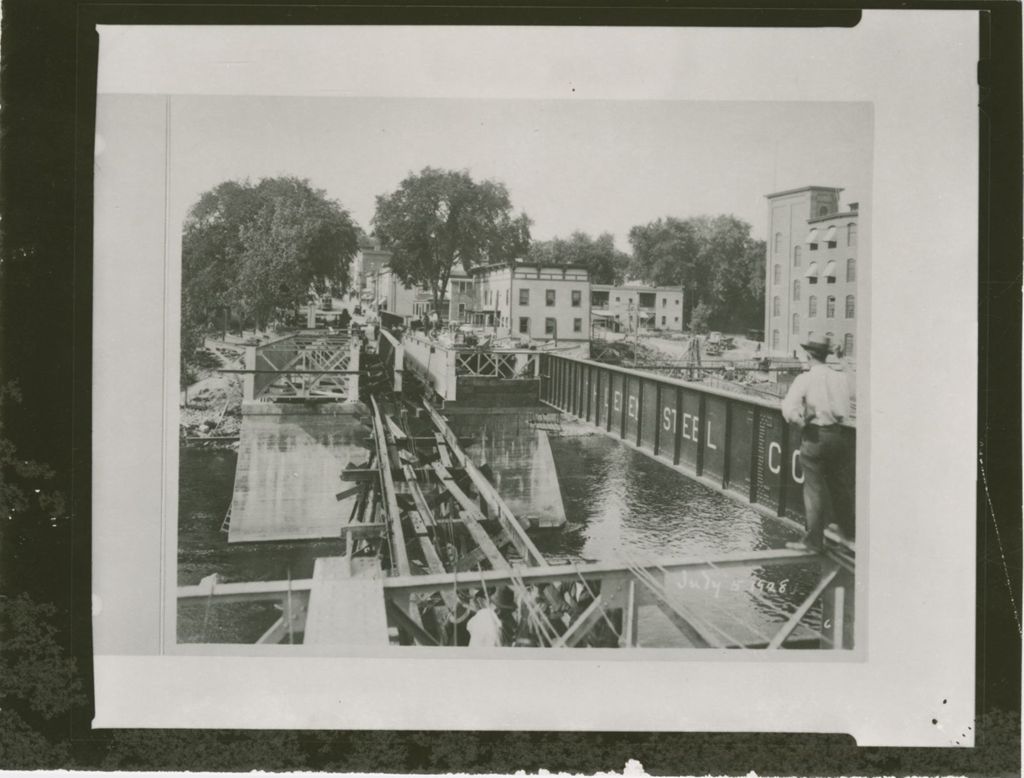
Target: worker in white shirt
485, 626
818, 402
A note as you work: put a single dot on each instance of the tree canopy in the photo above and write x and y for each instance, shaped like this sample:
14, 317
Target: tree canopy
439, 217
607, 265
714, 258
258, 248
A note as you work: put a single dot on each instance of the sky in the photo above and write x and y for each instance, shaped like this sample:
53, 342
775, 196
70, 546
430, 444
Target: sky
591, 165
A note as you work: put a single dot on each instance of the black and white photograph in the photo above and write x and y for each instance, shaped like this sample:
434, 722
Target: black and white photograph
570, 363
518, 374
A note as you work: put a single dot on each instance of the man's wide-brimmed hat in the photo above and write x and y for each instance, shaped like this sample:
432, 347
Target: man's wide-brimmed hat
819, 347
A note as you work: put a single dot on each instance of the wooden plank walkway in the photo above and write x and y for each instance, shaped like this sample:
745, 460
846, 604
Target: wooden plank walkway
287, 476
346, 604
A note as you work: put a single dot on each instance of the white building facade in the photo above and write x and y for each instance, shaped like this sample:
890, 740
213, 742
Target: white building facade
811, 270
536, 301
635, 305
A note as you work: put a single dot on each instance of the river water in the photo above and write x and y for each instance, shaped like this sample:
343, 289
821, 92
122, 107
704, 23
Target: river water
619, 505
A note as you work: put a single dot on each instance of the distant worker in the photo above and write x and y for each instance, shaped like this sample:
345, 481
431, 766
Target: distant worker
818, 401
435, 322
485, 626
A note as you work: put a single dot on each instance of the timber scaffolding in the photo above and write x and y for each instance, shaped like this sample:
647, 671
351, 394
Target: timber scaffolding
429, 540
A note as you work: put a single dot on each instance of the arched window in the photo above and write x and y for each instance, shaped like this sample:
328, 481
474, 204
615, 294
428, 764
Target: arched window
822, 210
776, 306
830, 307
850, 311
796, 323
796, 290
778, 242
797, 255
851, 269
848, 345
812, 306
775, 339
851, 234
830, 272
812, 273
777, 274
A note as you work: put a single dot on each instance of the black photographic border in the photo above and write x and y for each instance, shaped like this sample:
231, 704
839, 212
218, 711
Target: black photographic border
48, 80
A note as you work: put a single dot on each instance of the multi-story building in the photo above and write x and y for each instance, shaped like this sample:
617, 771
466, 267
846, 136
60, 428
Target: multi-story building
538, 301
460, 294
396, 297
811, 270
407, 300
635, 305
363, 272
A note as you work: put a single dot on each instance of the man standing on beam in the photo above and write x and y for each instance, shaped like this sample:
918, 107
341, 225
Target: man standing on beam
818, 402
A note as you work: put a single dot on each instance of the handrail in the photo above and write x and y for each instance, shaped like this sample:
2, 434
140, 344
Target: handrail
695, 385
389, 337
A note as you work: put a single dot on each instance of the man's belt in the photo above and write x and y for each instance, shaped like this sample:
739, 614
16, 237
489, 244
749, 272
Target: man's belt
810, 432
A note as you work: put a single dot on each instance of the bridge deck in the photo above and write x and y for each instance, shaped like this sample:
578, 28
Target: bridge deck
346, 604
289, 461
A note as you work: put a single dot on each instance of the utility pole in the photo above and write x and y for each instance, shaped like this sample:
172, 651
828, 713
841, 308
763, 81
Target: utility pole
634, 322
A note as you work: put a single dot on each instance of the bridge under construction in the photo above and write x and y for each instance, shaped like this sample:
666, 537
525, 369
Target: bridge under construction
348, 440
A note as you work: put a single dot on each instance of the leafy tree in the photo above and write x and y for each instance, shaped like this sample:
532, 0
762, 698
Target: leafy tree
258, 249
699, 318
439, 217
714, 258
23, 481
607, 265
298, 239
39, 685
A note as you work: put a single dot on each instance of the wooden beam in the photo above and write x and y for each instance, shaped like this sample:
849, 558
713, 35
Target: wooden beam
471, 518
396, 431
417, 495
279, 629
399, 556
275, 634
524, 545
442, 450
579, 628
691, 632
370, 474
359, 530
359, 474
612, 570
284, 371
244, 592
419, 634
603, 571
350, 492
630, 618
805, 606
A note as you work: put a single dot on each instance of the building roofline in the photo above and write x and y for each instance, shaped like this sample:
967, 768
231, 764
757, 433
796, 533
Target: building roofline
805, 189
834, 215
517, 265
630, 287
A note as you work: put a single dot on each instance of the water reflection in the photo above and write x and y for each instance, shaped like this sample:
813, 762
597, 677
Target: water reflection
520, 459
618, 505
622, 505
